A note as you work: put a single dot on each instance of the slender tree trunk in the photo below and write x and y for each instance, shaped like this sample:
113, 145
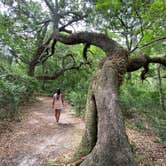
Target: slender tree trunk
56, 16
162, 106
43, 72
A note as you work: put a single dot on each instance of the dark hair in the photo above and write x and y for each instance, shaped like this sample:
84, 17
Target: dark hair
58, 91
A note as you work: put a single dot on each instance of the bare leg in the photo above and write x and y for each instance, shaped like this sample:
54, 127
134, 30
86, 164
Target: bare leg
58, 114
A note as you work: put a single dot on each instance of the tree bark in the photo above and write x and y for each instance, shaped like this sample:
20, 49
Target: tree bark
143, 60
90, 135
111, 147
31, 70
162, 105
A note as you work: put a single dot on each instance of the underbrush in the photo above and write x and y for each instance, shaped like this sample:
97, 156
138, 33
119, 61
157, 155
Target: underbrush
78, 101
140, 103
15, 89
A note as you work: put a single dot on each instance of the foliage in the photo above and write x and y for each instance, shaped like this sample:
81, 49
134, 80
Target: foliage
15, 89
133, 23
78, 93
141, 106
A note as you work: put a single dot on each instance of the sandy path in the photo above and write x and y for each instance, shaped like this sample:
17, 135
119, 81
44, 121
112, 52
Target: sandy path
36, 140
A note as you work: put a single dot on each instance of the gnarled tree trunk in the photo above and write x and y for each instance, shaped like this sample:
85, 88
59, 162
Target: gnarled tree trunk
111, 147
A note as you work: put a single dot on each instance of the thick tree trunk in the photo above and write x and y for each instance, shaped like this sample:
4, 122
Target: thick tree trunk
111, 146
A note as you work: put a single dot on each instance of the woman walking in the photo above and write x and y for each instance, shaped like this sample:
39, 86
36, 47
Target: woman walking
57, 104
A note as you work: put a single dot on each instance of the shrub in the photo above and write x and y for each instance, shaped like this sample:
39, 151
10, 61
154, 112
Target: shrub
15, 89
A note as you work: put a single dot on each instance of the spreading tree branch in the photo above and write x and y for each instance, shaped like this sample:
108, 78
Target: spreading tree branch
59, 73
144, 61
97, 39
149, 43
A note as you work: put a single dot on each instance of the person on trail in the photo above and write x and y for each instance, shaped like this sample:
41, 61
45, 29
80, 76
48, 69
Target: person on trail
57, 104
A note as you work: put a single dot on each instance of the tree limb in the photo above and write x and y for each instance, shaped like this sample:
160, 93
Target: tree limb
59, 73
49, 6
138, 62
97, 39
143, 61
75, 19
149, 43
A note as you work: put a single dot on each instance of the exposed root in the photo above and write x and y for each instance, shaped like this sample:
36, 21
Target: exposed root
78, 162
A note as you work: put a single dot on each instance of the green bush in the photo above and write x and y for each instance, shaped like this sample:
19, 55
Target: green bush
8, 101
140, 101
139, 95
78, 101
15, 88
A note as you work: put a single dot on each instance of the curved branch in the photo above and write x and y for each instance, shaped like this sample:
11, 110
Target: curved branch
141, 61
59, 73
67, 56
99, 40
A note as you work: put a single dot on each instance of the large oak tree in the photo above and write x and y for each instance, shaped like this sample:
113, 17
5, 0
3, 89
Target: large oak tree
105, 139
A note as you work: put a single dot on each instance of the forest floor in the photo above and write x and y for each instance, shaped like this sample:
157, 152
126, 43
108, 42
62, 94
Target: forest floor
37, 141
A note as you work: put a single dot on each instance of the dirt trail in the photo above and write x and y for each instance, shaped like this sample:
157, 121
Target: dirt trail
36, 140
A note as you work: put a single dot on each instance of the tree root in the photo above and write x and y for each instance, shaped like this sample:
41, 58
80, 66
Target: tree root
78, 162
